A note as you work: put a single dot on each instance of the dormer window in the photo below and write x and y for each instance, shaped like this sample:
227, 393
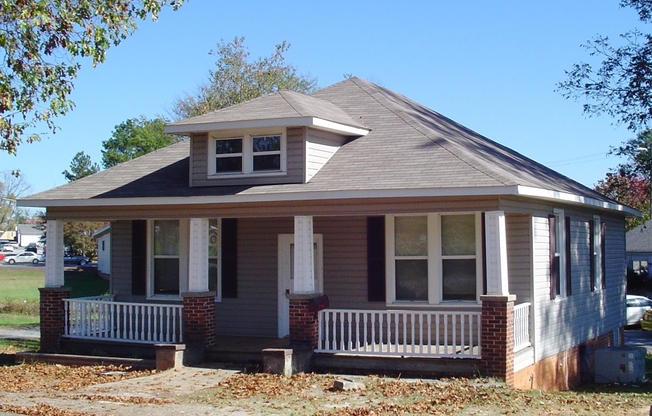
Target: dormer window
250, 154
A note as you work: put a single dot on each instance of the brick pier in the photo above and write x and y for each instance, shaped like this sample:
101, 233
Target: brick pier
52, 312
497, 337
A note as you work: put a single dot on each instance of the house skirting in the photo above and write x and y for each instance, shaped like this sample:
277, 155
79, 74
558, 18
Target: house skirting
565, 370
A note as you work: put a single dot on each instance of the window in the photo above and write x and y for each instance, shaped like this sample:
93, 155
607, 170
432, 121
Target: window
458, 246
560, 247
252, 154
597, 247
168, 257
213, 252
433, 258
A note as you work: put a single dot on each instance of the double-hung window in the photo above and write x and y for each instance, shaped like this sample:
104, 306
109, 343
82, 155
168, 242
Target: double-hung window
250, 154
168, 246
434, 258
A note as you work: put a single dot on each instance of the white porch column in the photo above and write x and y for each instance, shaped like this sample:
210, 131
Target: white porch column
496, 246
304, 256
198, 256
54, 254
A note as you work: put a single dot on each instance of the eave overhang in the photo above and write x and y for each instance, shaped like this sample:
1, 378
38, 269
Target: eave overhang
246, 197
314, 122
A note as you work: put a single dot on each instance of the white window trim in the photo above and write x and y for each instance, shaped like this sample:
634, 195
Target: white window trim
247, 154
218, 285
435, 262
597, 255
184, 233
560, 222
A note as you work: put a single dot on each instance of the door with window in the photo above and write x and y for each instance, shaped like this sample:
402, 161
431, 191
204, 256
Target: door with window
286, 276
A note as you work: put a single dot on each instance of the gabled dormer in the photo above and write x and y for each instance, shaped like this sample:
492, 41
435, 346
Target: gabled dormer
284, 137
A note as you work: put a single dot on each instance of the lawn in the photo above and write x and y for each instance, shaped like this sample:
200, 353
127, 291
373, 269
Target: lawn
19, 295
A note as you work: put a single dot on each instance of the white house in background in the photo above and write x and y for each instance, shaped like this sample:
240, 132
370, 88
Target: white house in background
28, 233
103, 236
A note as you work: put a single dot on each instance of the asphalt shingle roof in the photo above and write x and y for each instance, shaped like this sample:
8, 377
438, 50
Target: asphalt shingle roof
639, 239
409, 147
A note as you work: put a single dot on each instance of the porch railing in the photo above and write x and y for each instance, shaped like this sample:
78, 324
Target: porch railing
101, 318
400, 333
521, 326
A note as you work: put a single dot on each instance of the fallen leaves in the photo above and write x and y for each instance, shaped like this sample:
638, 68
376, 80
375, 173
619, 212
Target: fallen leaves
40, 376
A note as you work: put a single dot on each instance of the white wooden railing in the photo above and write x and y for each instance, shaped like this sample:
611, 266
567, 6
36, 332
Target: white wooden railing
521, 326
400, 333
101, 318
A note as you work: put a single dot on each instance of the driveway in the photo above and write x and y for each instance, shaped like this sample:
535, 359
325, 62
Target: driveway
639, 338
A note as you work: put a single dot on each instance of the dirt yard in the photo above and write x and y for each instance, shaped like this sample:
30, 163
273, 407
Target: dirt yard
55, 390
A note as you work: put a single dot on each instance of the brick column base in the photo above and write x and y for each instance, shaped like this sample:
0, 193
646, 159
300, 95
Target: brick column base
199, 318
497, 338
304, 324
52, 312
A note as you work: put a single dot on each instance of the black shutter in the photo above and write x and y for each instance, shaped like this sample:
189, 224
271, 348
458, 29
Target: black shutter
603, 254
569, 263
592, 254
554, 260
229, 257
376, 259
139, 257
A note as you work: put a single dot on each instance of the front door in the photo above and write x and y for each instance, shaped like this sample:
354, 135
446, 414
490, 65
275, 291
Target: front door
286, 276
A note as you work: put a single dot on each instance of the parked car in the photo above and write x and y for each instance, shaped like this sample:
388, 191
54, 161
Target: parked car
8, 247
636, 307
32, 247
25, 257
80, 260
646, 322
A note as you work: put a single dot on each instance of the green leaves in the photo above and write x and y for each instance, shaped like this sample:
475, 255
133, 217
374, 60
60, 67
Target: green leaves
236, 79
133, 138
40, 43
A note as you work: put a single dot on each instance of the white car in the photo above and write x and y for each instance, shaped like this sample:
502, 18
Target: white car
25, 257
636, 307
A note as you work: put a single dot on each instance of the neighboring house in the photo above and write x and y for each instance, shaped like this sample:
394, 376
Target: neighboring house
28, 233
638, 243
438, 249
103, 237
7, 235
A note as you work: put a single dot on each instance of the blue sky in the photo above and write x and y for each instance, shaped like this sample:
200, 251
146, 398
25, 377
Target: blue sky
489, 65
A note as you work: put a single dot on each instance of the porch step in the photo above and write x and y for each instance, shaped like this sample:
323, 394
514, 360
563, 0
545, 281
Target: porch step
409, 366
242, 349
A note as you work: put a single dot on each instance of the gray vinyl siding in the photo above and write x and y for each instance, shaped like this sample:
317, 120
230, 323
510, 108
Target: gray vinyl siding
565, 322
295, 158
320, 147
254, 312
121, 259
345, 261
519, 254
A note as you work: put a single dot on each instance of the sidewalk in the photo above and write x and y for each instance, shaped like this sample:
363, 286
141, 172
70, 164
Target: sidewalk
26, 332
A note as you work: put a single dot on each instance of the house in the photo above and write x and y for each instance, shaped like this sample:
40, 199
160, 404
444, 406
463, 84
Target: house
434, 247
28, 233
103, 237
638, 243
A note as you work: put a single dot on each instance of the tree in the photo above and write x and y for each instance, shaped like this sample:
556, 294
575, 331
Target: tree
78, 237
629, 183
135, 137
41, 43
236, 79
621, 86
80, 166
628, 189
11, 188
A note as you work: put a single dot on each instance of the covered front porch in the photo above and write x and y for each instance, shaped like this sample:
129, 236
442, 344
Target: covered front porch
487, 332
